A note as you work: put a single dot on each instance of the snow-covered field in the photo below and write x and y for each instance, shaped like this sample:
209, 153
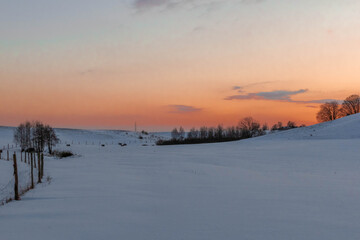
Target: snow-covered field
288, 185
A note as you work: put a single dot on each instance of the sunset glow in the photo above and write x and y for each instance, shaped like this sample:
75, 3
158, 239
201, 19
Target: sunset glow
108, 64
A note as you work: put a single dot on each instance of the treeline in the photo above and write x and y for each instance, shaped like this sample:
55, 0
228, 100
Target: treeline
330, 111
290, 125
35, 136
247, 128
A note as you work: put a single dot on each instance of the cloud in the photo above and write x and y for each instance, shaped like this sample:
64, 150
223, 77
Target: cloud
240, 89
142, 5
184, 109
278, 95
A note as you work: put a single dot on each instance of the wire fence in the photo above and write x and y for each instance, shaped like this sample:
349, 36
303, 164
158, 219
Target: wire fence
23, 174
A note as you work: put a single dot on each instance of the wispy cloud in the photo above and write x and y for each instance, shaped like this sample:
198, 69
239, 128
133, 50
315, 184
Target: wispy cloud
278, 95
239, 89
142, 5
184, 109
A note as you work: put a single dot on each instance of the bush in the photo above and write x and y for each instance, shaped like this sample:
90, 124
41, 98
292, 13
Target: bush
62, 154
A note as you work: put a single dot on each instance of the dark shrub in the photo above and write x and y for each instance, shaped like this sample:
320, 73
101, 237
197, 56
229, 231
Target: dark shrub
62, 154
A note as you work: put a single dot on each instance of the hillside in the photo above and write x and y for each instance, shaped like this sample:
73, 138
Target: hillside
96, 137
252, 189
343, 128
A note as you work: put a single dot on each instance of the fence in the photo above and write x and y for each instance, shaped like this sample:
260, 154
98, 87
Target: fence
27, 167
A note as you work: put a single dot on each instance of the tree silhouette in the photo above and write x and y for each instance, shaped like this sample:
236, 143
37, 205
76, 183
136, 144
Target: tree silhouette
351, 105
328, 112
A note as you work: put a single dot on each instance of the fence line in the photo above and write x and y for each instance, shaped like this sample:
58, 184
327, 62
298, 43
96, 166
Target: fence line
25, 179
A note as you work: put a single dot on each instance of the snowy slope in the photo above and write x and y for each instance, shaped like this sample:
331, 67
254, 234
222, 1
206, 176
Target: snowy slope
250, 189
343, 128
78, 136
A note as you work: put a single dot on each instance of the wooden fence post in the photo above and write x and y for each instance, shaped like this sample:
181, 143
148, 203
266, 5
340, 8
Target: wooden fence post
0, 153
16, 186
7, 155
32, 171
39, 168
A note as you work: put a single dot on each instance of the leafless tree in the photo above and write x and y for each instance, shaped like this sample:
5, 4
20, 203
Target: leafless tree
181, 133
38, 136
20, 136
175, 134
351, 105
50, 138
249, 127
291, 124
328, 112
203, 132
219, 132
35, 135
193, 134
23, 135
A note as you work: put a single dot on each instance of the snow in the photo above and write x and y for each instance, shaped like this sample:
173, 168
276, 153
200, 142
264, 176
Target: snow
343, 128
282, 186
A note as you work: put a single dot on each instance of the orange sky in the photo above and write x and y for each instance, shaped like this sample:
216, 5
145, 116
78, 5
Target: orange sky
115, 64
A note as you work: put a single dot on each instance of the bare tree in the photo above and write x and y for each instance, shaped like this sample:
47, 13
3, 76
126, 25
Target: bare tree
50, 138
265, 127
219, 132
351, 105
20, 136
38, 136
175, 134
328, 112
35, 135
23, 135
28, 127
291, 124
274, 127
193, 134
181, 133
203, 132
211, 132
249, 127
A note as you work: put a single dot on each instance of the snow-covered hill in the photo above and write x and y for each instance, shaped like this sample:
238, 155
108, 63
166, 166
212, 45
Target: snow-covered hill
96, 137
343, 128
262, 188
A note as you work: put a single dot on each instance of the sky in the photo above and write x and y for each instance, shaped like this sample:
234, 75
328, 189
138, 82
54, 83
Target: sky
166, 63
